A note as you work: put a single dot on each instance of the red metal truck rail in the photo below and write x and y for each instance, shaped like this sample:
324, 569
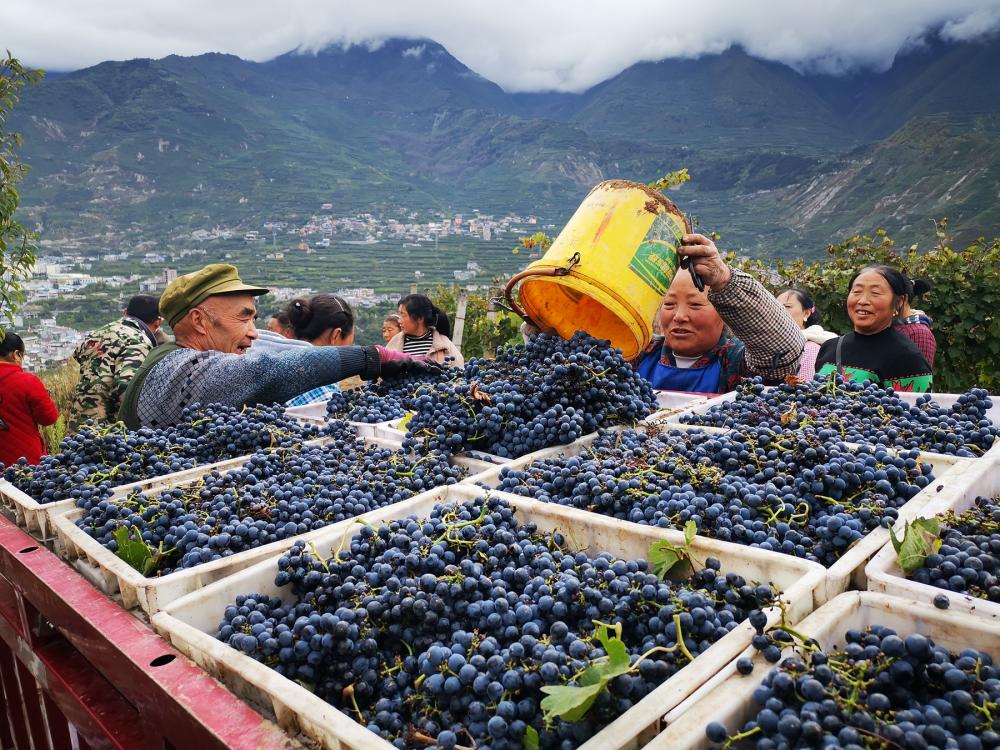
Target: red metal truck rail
77, 671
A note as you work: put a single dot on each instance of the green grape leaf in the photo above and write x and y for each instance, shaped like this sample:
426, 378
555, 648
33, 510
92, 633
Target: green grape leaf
133, 551
569, 702
921, 537
530, 738
405, 420
663, 556
690, 531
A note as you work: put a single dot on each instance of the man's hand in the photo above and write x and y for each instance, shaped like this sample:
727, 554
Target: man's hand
706, 260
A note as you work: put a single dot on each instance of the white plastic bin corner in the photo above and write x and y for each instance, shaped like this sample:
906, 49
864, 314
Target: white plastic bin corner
190, 623
112, 575
700, 407
673, 402
884, 574
728, 699
29, 514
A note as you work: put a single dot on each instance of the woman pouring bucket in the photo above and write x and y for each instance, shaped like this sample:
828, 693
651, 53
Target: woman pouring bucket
616, 264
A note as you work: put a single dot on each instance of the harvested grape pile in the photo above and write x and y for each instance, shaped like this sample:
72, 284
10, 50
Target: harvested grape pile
879, 691
276, 495
452, 630
788, 492
383, 400
860, 413
547, 392
96, 459
968, 560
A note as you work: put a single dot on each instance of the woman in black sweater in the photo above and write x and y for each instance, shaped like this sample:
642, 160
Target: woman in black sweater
875, 350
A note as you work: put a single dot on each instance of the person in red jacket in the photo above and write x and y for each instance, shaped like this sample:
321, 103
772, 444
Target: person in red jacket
24, 405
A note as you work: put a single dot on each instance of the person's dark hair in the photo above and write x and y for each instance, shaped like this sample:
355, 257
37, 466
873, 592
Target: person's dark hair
282, 317
310, 318
419, 307
806, 300
11, 343
916, 288
144, 307
893, 277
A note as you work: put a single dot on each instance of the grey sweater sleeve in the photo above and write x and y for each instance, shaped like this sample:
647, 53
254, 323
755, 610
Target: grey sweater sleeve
187, 377
773, 342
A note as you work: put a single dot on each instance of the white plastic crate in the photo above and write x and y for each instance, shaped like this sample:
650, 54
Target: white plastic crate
112, 575
191, 622
37, 517
946, 400
28, 513
849, 569
884, 574
728, 698
315, 414
491, 477
673, 402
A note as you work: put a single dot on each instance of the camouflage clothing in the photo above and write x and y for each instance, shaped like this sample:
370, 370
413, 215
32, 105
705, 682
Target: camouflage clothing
108, 359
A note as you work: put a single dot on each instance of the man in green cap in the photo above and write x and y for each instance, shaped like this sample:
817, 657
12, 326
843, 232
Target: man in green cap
213, 313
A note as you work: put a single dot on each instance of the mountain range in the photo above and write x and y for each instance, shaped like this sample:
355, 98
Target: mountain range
782, 162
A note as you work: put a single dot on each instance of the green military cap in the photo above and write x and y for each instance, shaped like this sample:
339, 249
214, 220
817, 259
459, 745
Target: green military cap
186, 292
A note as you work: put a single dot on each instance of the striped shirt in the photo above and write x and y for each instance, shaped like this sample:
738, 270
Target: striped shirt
418, 345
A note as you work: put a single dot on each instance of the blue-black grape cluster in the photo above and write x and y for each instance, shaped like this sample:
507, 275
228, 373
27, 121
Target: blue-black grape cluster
274, 496
860, 413
442, 631
968, 560
383, 400
549, 391
880, 690
98, 458
786, 492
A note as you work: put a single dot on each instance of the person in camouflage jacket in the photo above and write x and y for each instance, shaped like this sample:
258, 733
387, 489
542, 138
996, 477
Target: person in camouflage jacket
109, 357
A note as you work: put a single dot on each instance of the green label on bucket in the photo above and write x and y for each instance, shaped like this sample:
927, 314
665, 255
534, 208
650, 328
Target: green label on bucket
655, 262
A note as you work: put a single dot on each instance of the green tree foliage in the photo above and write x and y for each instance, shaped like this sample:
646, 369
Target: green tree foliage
481, 336
17, 253
964, 301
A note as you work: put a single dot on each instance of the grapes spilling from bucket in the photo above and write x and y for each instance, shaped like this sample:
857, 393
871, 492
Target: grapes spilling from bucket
861, 413
98, 458
968, 558
468, 628
880, 690
547, 392
792, 493
383, 400
274, 496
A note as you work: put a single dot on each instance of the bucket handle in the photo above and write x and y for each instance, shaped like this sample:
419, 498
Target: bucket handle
508, 290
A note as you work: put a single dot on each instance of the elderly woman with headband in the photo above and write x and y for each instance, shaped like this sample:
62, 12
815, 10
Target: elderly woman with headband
876, 350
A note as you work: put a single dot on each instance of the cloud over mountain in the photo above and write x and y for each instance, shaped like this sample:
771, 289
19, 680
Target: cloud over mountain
522, 45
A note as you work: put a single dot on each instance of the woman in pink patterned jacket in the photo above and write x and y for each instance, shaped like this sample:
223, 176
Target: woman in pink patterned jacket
801, 307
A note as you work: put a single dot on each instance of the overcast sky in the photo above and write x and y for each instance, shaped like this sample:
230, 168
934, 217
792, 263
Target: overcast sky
523, 45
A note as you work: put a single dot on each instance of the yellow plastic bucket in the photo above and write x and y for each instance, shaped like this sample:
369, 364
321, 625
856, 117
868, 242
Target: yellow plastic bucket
607, 271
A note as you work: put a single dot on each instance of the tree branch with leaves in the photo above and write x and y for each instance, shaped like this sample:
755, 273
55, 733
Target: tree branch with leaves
17, 249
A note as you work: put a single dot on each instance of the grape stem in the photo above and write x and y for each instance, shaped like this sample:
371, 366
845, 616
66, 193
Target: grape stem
738, 737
